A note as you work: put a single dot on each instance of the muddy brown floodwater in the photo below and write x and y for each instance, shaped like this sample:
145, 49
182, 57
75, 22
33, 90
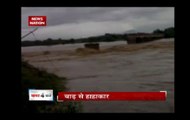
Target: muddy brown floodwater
117, 67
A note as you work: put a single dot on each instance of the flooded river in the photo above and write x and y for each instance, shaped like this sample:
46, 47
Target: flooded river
148, 68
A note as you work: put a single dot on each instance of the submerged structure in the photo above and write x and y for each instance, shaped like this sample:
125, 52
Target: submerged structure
142, 37
92, 46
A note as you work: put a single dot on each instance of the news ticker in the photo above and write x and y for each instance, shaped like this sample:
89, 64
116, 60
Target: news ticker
47, 95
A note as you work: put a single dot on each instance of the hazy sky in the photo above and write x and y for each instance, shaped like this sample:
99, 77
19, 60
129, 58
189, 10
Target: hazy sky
76, 22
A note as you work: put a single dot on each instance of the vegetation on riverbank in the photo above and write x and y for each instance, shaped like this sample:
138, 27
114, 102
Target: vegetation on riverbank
33, 78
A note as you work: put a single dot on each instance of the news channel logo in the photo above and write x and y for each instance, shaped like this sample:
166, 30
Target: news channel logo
40, 95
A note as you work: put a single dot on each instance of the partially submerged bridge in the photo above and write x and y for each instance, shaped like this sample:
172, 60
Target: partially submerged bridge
133, 38
142, 37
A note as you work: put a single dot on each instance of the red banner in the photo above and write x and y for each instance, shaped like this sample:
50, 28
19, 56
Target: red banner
36, 20
106, 96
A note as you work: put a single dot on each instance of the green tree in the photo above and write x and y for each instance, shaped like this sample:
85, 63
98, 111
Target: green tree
169, 32
158, 31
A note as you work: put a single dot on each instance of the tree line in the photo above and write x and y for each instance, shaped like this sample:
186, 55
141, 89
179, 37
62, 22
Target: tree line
168, 33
